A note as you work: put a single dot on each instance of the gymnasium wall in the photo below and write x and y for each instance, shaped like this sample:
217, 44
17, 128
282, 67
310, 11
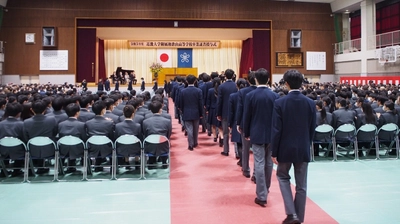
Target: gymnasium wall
27, 16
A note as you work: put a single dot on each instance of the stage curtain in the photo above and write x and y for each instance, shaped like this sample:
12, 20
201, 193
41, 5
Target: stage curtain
262, 49
102, 64
217, 60
118, 54
246, 60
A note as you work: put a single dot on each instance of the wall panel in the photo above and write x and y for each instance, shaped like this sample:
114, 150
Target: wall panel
30, 16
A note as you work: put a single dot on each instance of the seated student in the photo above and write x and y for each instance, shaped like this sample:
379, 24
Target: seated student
129, 127
85, 113
72, 126
388, 116
157, 125
3, 103
100, 125
13, 127
163, 113
58, 113
342, 115
41, 125
109, 108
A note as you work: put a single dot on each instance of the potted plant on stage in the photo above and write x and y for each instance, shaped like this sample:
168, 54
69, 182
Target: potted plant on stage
155, 68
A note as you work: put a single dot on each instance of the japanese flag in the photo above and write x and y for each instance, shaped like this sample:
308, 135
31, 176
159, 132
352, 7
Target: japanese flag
164, 57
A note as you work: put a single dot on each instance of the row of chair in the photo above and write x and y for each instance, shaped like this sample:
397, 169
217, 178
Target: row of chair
45, 148
368, 134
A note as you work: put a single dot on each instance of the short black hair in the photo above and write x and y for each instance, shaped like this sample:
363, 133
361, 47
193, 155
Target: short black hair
39, 106
71, 109
293, 78
13, 109
190, 79
262, 76
98, 106
155, 106
58, 103
229, 73
128, 111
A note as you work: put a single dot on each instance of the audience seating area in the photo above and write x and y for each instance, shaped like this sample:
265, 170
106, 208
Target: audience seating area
50, 153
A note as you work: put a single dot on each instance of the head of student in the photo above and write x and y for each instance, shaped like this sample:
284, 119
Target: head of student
191, 79
98, 107
262, 76
229, 73
72, 109
293, 78
129, 111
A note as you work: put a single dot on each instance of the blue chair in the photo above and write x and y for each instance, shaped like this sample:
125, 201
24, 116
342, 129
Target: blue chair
344, 134
388, 135
99, 146
323, 135
155, 146
367, 133
14, 148
128, 146
41, 147
64, 146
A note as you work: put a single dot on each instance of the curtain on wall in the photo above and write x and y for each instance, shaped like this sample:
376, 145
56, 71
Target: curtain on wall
118, 54
102, 63
247, 57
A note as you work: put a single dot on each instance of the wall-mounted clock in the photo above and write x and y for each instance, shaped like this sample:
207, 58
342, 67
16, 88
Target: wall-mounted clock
30, 38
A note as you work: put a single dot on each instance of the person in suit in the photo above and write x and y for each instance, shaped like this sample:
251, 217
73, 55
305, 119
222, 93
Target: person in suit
191, 106
164, 113
72, 126
129, 127
130, 82
224, 91
100, 125
211, 108
293, 127
11, 126
40, 125
107, 85
85, 114
235, 135
380, 102
366, 116
155, 86
142, 86
109, 108
84, 85
257, 120
157, 125
342, 115
239, 125
322, 117
57, 112
100, 85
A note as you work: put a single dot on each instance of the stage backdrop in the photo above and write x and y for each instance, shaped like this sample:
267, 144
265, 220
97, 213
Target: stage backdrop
119, 54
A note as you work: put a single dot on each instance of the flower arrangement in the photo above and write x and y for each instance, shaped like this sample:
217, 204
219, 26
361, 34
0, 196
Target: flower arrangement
155, 68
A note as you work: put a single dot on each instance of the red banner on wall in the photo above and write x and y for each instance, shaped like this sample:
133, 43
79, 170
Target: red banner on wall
376, 79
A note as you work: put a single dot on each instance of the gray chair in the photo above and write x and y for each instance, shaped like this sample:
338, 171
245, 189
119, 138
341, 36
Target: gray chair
13, 148
65, 145
128, 146
155, 146
99, 146
323, 135
41, 147
366, 135
387, 137
344, 134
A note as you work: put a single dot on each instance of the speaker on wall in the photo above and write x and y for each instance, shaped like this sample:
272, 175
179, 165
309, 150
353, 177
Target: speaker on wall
3, 3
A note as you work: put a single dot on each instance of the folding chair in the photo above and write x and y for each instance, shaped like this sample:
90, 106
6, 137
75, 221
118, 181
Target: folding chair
68, 145
102, 145
345, 133
128, 146
14, 148
155, 146
41, 147
323, 135
366, 134
388, 134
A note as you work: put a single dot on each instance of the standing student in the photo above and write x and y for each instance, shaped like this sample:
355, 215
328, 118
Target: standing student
257, 120
142, 86
224, 91
293, 126
191, 105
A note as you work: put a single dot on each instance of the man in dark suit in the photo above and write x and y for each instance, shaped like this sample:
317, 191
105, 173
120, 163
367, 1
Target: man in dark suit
109, 108
107, 85
40, 125
142, 86
57, 112
85, 114
72, 126
13, 127
239, 120
128, 127
100, 85
191, 105
257, 120
293, 127
100, 125
157, 125
224, 91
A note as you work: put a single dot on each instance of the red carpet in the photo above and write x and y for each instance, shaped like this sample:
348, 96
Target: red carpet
208, 188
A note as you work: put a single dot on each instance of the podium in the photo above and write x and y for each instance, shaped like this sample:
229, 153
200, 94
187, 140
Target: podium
170, 73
